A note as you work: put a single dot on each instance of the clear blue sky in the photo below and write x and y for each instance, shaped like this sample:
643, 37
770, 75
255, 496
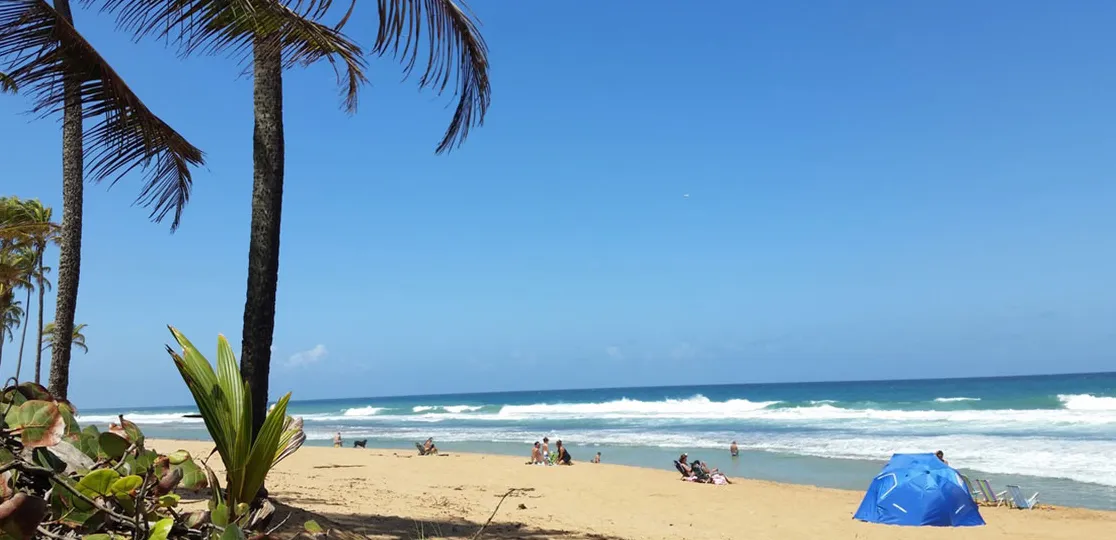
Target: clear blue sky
875, 190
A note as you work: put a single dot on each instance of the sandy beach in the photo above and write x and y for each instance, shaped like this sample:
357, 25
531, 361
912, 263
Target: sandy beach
391, 494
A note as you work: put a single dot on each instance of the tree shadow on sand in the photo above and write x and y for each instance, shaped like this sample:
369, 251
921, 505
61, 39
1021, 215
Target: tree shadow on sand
402, 528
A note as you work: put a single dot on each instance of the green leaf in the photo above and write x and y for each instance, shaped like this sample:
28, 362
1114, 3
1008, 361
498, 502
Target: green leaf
113, 446
170, 500
41, 424
161, 529
98, 483
88, 443
178, 457
73, 430
44, 458
232, 532
220, 516
193, 477
128, 484
31, 390
63, 501
103, 536
128, 430
127, 502
313, 527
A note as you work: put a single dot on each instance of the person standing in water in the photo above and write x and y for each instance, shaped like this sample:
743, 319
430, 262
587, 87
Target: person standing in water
734, 450
337, 440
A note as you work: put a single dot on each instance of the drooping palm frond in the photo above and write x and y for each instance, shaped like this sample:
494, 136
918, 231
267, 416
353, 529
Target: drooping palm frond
457, 56
231, 26
7, 84
42, 51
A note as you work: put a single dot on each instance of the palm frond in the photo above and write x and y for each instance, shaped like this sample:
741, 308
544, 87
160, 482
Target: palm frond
457, 56
43, 52
7, 84
230, 26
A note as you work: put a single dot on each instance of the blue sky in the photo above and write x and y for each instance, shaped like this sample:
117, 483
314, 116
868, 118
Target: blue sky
880, 190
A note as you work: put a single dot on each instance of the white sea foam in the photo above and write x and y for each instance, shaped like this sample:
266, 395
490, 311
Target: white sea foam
355, 412
455, 409
1087, 402
140, 418
698, 406
955, 399
422, 408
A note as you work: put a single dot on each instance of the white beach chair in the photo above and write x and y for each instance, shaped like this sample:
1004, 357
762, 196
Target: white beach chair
1021, 502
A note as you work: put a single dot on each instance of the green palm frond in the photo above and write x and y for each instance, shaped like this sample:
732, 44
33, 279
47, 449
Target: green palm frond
78, 339
457, 56
7, 84
42, 51
232, 26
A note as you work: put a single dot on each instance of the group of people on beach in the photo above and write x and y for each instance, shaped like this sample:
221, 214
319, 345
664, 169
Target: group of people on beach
541, 454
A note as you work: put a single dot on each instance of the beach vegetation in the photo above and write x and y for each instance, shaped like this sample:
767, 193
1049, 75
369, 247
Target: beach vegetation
59, 480
107, 133
225, 402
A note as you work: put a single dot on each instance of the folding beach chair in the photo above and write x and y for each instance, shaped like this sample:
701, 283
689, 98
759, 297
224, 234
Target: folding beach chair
990, 495
1021, 502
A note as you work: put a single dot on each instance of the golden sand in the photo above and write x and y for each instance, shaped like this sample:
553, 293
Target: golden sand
394, 494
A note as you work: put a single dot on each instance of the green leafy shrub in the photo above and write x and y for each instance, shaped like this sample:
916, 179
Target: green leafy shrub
60, 480
225, 404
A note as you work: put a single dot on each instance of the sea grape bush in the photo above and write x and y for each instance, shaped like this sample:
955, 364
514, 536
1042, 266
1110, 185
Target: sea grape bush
62, 481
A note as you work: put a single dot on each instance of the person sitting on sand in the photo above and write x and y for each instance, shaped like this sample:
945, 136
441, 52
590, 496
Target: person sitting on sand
427, 448
597, 458
536, 455
684, 465
337, 440
734, 450
563, 455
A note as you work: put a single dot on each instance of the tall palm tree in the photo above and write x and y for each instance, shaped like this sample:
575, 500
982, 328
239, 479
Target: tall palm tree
77, 338
279, 34
35, 213
15, 274
50, 61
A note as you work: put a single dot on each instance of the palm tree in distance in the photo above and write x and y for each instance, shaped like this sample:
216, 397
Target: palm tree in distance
33, 212
77, 338
51, 63
11, 314
280, 34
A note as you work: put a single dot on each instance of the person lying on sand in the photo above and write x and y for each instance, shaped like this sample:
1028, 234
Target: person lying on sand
563, 456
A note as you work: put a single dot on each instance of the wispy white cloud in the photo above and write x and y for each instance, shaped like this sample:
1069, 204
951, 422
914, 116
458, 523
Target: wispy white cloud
307, 357
614, 352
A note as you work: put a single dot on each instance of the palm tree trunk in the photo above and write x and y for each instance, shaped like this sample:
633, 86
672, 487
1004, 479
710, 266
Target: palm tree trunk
69, 257
40, 252
3, 335
267, 208
23, 337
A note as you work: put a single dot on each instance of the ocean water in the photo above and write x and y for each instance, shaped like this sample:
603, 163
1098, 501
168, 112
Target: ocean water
1051, 434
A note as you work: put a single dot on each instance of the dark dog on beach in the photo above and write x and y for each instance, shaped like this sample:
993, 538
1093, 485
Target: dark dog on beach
360, 443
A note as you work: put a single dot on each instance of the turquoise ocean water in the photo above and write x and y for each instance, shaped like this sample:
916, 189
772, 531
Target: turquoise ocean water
1051, 434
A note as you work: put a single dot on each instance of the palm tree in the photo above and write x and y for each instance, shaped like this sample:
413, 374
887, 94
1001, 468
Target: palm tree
280, 34
77, 338
10, 316
15, 273
33, 212
50, 61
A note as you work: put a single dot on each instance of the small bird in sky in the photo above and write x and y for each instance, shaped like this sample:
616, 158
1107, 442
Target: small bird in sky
685, 195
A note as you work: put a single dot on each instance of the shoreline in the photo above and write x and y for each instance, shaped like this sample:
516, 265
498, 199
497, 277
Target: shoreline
393, 493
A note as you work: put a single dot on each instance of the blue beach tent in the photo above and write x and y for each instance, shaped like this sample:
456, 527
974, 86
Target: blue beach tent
918, 489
